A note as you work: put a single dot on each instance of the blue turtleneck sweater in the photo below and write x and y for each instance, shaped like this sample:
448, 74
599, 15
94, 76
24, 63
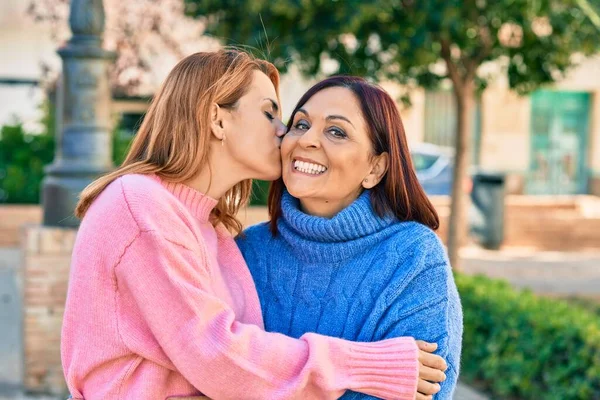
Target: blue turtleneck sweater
356, 276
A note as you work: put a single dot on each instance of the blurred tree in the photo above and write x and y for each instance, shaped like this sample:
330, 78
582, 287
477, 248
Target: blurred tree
414, 43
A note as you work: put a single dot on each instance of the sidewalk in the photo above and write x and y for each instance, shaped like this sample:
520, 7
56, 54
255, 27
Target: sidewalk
464, 392
548, 273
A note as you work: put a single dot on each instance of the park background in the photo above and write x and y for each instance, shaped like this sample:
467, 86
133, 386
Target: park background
516, 82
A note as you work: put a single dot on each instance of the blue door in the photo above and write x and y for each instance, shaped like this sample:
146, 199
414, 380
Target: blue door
559, 131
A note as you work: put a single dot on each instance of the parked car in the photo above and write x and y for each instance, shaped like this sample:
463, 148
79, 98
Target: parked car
434, 166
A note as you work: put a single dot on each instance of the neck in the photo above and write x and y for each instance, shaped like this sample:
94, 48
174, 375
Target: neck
218, 176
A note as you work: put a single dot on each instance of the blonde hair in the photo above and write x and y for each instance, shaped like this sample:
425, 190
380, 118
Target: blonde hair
173, 140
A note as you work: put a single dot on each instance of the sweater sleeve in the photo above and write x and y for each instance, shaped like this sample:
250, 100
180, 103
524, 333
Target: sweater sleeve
167, 287
427, 307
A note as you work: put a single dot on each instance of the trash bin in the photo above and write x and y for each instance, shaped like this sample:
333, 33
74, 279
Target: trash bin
487, 195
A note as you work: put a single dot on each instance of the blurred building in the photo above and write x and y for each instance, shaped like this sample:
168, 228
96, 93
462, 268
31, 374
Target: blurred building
24, 46
547, 142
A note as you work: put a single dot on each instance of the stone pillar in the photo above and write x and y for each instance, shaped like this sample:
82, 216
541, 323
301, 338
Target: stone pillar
83, 150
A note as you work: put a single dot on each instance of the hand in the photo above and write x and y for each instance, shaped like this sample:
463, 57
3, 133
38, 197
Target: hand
431, 371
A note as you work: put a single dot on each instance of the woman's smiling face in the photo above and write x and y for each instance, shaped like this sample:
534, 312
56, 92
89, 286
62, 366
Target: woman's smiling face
327, 153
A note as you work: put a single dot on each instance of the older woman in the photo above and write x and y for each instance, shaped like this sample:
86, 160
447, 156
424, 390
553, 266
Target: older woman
350, 249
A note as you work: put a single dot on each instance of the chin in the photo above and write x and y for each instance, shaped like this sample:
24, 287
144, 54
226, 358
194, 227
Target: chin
298, 192
272, 175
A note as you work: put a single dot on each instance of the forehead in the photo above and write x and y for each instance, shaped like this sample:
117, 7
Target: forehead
261, 87
334, 101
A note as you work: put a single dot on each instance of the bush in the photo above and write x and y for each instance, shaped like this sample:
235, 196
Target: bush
23, 157
518, 345
260, 193
22, 160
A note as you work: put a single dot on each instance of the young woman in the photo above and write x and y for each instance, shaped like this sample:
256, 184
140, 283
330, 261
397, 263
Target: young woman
160, 302
350, 250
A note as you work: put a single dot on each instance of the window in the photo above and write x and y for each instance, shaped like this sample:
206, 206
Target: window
440, 121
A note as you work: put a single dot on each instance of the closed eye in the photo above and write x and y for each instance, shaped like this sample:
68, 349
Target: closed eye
269, 116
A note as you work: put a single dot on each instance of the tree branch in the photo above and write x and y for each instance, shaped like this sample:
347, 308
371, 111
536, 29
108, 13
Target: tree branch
484, 51
452, 68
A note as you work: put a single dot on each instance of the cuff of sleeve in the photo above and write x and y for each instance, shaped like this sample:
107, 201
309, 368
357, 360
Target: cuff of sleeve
388, 369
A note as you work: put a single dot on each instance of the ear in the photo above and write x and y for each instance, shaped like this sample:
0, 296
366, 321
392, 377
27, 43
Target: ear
217, 115
379, 167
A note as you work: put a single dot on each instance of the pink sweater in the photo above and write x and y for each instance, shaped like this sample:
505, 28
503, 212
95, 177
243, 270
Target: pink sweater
161, 303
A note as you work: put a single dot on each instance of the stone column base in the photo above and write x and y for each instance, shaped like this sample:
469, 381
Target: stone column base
47, 259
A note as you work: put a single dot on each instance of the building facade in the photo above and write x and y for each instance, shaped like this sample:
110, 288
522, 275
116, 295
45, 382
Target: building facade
547, 142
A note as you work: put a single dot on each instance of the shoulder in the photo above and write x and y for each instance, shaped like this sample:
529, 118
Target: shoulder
140, 202
420, 259
256, 232
251, 237
145, 195
418, 241
152, 205
108, 223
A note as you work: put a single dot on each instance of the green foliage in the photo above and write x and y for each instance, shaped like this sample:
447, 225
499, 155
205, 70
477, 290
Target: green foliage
22, 160
24, 155
402, 40
518, 345
260, 193
120, 147
592, 305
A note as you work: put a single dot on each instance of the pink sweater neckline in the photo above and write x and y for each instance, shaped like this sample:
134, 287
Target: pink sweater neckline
198, 203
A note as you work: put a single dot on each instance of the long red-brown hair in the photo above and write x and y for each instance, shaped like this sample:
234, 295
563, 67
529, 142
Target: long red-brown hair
399, 193
173, 141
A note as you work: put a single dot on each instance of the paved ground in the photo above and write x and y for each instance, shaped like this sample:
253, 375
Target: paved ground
551, 273
464, 392
10, 321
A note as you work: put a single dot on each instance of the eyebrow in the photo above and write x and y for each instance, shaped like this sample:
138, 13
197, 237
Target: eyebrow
273, 102
329, 117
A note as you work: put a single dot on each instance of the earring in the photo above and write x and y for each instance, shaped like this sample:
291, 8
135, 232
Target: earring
366, 180
223, 141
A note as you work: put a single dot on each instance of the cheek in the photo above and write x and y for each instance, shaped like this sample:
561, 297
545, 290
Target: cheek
349, 167
287, 145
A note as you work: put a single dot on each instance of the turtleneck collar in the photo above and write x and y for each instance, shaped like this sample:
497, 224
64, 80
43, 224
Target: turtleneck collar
320, 239
199, 204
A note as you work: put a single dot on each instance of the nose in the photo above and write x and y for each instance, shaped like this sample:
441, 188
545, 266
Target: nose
310, 139
280, 128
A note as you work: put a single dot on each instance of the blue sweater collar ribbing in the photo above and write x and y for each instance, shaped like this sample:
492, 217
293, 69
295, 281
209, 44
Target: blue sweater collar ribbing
318, 239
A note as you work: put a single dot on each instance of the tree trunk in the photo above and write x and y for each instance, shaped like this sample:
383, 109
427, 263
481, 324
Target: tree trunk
458, 224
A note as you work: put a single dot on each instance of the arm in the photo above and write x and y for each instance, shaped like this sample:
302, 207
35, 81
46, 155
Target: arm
436, 317
168, 286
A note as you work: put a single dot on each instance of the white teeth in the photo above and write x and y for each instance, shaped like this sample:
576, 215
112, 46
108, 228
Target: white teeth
309, 168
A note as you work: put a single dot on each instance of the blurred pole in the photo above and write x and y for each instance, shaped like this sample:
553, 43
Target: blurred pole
83, 145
